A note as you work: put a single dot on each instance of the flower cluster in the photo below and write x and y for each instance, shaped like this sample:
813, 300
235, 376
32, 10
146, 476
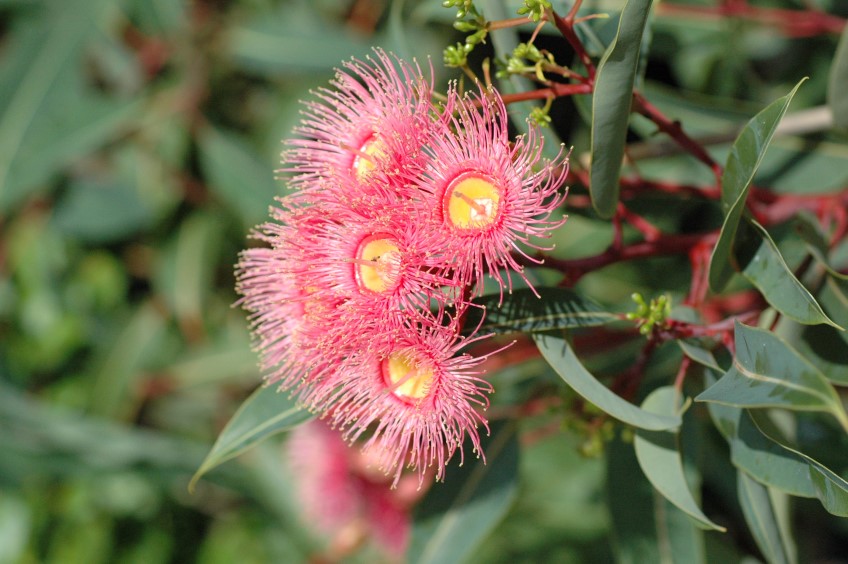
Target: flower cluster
399, 208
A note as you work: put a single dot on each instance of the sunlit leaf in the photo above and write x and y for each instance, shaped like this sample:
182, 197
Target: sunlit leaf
767, 372
523, 311
561, 357
458, 514
760, 514
659, 457
767, 270
744, 159
611, 102
265, 413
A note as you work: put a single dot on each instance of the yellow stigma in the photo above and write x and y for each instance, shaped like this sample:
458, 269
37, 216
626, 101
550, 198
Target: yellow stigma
364, 161
377, 264
471, 202
409, 380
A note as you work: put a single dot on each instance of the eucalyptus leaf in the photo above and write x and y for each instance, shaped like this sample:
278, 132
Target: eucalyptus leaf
698, 353
761, 516
646, 526
744, 159
837, 84
831, 488
557, 352
265, 413
757, 455
524, 311
767, 372
611, 104
767, 270
659, 457
456, 516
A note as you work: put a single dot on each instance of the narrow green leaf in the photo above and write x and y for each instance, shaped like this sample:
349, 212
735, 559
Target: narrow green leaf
561, 357
767, 270
659, 457
699, 354
758, 456
237, 175
838, 83
646, 527
265, 413
457, 515
831, 488
744, 159
761, 516
767, 372
522, 311
611, 102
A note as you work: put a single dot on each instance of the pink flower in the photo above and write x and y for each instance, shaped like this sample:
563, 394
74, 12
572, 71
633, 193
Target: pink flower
341, 497
490, 197
372, 125
414, 395
286, 312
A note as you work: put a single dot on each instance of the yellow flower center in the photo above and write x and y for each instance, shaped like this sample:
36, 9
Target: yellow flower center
471, 202
409, 380
365, 160
377, 264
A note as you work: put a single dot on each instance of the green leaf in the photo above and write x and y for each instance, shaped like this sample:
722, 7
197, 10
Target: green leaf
48, 115
838, 83
767, 270
767, 372
646, 527
699, 354
831, 488
659, 457
457, 515
265, 413
561, 357
744, 159
611, 103
237, 175
761, 516
522, 311
758, 456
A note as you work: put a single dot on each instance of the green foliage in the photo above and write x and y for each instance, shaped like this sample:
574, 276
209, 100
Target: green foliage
611, 104
138, 146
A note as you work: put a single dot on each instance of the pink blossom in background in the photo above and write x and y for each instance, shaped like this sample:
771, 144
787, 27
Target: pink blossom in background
343, 497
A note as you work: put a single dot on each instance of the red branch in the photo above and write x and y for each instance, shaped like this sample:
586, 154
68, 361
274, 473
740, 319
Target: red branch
792, 23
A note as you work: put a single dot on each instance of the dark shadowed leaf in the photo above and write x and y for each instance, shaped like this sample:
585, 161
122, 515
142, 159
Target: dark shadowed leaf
611, 101
266, 412
561, 357
744, 159
758, 456
646, 526
522, 311
838, 83
767, 270
457, 515
659, 457
767, 372
831, 488
761, 516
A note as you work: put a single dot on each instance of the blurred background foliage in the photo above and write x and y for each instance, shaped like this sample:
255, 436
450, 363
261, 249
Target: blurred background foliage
138, 140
